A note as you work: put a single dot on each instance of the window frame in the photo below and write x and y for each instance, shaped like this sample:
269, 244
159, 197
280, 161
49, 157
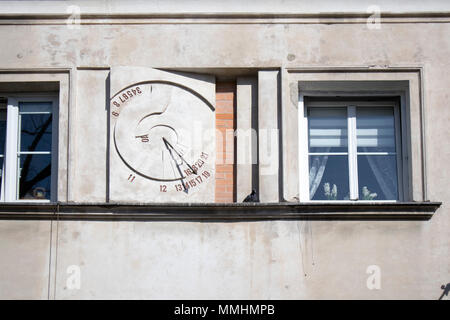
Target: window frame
9, 183
350, 102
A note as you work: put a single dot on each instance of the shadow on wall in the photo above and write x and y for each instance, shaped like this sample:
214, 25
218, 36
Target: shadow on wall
446, 289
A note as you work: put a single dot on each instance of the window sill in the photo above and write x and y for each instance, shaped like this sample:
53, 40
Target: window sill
217, 212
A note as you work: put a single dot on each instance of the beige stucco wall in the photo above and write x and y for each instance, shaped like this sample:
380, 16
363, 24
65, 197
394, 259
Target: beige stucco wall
262, 260
225, 260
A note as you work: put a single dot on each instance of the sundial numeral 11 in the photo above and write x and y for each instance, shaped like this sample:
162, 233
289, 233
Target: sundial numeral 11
131, 177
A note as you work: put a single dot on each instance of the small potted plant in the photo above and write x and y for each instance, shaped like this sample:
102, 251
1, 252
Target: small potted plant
330, 193
367, 195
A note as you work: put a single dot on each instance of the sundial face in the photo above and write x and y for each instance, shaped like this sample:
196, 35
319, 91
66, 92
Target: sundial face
162, 135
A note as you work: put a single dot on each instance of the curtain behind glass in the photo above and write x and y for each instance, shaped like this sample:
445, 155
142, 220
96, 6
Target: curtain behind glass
327, 135
376, 150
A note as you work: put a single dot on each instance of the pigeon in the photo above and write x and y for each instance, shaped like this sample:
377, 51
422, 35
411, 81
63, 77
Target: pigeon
251, 197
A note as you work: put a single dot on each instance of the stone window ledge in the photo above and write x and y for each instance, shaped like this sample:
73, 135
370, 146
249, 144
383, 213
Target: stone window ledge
220, 212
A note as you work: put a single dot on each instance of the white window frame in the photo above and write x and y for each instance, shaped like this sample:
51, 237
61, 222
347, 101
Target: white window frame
10, 178
330, 101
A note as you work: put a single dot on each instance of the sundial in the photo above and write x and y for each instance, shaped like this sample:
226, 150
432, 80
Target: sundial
163, 135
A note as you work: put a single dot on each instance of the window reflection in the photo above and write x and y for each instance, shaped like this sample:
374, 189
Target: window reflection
36, 132
34, 180
35, 145
3, 113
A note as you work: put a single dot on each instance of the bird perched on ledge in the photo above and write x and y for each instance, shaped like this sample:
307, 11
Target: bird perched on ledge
252, 197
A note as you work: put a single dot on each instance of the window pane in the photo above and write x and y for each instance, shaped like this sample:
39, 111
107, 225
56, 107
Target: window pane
34, 176
377, 177
328, 178
36, 132
327, 129
1, 170
375, 129
2, 126
35, 107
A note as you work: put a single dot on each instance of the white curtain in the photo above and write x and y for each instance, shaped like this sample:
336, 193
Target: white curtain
316, 170
376, 133
327, 129
385, 172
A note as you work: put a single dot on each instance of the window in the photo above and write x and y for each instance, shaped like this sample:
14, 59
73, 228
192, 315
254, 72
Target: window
27, 148
353, 150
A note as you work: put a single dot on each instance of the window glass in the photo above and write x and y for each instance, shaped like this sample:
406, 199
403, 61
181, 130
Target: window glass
328, 177
375, 173
26, 128
328, 171
375, 129
3, 112
35, 107
35, 145
377, 177
35, 126
327, 129
35, 132
377, 159
34, 176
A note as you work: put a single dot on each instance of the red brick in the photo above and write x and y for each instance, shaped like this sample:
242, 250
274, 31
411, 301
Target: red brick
224, 103
225, 110
230, 188
224, 196
224, 96
225, 116
225, 122
228, 175
223, 182
224, 168
222, 189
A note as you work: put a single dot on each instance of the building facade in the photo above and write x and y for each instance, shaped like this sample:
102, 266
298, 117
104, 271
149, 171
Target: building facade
131, 132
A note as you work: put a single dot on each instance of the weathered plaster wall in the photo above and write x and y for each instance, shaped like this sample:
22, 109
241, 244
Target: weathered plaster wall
225, 45
25, 259
260, 260
230, 260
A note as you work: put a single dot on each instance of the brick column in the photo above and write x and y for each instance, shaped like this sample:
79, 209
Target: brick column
225, 125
